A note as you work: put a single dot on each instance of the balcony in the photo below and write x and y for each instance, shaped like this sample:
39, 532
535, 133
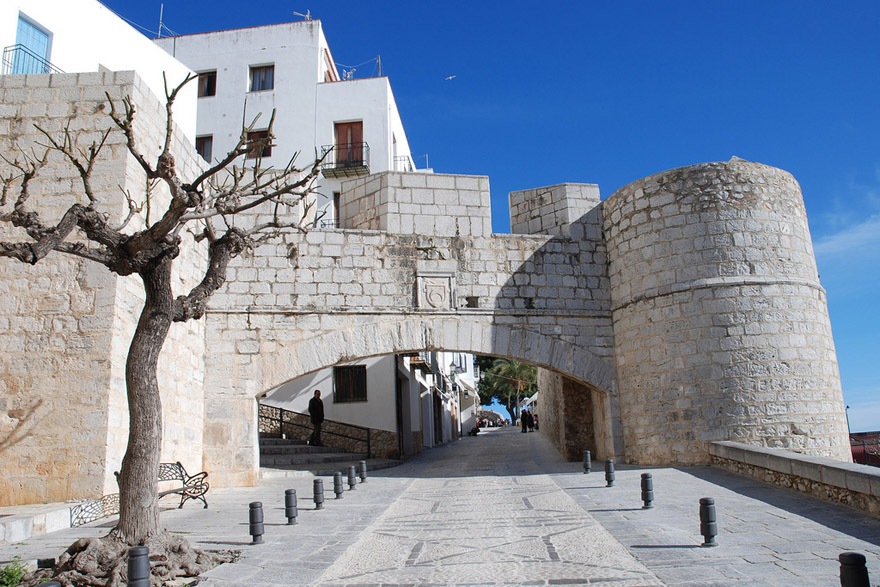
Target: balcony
20, 59
346, 160
404, 163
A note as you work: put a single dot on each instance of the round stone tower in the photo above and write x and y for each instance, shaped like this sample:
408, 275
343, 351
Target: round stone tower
721, 327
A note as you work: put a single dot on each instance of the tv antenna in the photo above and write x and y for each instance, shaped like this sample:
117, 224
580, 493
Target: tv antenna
306, 16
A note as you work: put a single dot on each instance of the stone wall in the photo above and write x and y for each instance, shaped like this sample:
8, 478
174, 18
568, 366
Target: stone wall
418, 203
574, 418
721, 327
850, 484
65, 323
551, 210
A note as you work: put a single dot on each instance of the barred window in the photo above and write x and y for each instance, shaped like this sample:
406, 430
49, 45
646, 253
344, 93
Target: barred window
350, 384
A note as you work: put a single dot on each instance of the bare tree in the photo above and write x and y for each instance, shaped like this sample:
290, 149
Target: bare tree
204, 206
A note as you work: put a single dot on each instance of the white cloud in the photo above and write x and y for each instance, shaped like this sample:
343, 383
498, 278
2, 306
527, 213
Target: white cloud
862, 238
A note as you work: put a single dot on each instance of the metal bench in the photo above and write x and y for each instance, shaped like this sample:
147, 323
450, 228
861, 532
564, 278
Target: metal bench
191, 487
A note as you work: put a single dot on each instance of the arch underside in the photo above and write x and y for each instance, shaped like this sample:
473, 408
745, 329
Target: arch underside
550, 346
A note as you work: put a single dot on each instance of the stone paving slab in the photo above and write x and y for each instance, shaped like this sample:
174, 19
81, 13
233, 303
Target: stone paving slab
502, 508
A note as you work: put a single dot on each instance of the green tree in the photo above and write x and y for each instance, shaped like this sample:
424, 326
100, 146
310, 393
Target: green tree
506, 381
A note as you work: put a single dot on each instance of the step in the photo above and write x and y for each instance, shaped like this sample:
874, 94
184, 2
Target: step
281, 441
294, 460
325, 469
294, 449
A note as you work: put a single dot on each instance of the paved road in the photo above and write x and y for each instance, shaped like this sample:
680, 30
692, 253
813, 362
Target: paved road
502, 508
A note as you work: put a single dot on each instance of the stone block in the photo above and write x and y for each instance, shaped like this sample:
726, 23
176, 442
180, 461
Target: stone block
833, 474
859, 478
808, 468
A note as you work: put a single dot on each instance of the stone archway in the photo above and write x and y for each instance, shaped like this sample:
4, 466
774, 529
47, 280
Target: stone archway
279, 355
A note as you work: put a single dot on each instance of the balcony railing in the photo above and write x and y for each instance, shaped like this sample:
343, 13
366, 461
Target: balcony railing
20, 59
404, 163
346, 160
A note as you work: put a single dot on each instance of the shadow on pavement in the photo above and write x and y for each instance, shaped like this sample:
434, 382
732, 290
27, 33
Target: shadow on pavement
849, 521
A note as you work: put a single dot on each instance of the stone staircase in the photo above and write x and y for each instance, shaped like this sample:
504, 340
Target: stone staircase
292, 458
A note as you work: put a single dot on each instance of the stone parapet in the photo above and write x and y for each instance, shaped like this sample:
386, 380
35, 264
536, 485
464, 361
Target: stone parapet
851, 484
553, 209
418, 203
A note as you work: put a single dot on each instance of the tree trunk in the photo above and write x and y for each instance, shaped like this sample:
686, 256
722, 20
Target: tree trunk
138, 484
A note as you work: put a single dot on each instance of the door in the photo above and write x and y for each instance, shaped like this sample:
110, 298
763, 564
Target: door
349, 144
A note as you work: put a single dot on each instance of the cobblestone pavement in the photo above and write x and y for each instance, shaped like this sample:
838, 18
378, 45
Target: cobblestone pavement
503, 508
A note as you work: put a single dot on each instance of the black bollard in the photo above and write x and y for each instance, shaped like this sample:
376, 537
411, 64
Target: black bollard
587, 463
362, 471
647, 491
609, 473
318, 486
337, 484
352, 478
853, 571
139, 566
256, 527
290, 505
708, 521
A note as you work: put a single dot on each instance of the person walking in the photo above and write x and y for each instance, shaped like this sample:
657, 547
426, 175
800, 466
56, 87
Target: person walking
316, 415
524, 420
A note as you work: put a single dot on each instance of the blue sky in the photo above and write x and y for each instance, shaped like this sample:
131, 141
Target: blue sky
611, 92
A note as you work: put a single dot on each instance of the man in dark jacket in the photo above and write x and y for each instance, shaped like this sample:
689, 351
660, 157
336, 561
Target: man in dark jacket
316, 414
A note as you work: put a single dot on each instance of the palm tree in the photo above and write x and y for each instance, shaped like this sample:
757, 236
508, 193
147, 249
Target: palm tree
508, 382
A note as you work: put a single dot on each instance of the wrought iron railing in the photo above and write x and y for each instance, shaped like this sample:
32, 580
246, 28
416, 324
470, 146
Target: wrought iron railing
277, 422
20, 59
404, 163
345, 156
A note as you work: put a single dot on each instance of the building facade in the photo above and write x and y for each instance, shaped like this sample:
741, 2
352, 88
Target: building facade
246, 75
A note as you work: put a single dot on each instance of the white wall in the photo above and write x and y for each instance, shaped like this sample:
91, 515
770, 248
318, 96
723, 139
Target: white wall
295, 50
85, 36
307, 106
379, 411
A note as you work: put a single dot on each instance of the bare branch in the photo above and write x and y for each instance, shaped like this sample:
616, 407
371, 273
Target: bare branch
133, 208
69, 148
126, 125
220, 252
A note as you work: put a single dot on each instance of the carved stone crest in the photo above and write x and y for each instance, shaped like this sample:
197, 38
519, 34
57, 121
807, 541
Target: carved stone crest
435, 290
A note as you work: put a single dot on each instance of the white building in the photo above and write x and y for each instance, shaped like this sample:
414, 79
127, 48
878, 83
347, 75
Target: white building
424, 399
245, 74
46, 36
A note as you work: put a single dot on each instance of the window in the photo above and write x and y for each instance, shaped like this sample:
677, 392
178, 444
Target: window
207, 84
205, 146
32, 53
258, 135
350, 384
262, 78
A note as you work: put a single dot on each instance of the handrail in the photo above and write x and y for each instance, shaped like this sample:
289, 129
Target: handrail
20, 59
273, 420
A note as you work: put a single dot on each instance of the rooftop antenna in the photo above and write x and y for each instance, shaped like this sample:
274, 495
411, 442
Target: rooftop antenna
161, 9
379, 62
306, 16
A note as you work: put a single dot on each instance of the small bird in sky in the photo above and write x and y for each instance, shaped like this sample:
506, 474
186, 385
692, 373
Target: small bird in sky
450, 77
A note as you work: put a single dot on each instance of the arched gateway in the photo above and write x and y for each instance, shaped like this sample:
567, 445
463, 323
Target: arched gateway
686, 305
682, 309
